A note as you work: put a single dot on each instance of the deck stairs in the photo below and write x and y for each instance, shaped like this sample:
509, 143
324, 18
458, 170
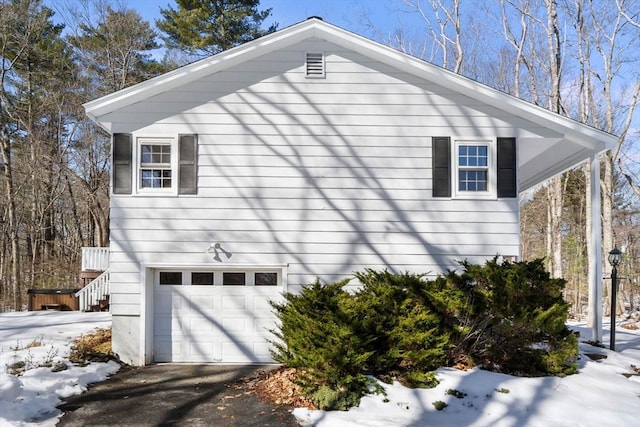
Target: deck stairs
95, 295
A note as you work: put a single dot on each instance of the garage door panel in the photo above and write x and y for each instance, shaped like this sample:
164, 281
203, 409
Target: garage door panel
205, 324
205, 303
260, 304
163, 302
202, 350
236, 325
234, 303
261, 350
263, 325
168, 350
242, 351
167, 325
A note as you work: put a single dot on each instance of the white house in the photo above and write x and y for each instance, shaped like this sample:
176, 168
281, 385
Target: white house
308, 153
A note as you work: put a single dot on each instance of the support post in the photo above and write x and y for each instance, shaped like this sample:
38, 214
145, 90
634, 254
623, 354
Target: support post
595, 254
614, 291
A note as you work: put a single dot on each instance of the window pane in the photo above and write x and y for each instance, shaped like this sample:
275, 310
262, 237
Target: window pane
473, 156
145, 154
155, 178
233, 279
472, 180
146, 179
463, 155
165, 153
155, 153
202, 279
266, 279
170, 278
482, 186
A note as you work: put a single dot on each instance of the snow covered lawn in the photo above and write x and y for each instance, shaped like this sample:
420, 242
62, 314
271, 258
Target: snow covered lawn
39, 338
600, 395
604, 392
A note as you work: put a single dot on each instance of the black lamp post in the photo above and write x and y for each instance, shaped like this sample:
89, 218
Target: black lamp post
614, 260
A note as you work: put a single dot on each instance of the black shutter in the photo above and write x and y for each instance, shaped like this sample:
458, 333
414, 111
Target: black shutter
122, 163
507, 168
441, 158
187, 175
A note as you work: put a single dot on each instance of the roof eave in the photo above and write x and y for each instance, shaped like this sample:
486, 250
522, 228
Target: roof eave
573, 130
191, 72
591, 138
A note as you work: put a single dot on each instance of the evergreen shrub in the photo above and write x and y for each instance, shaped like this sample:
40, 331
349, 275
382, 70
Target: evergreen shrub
508, 317
317, 338
514, 319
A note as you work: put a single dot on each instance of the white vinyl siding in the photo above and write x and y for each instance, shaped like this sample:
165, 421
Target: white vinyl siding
327, 176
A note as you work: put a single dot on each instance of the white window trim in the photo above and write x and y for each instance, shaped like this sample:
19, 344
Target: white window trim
137, 158
492, 189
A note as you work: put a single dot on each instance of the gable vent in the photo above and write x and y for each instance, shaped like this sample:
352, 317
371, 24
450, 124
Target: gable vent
315, 65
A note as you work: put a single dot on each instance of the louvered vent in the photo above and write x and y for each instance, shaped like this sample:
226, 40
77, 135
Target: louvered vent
315, 65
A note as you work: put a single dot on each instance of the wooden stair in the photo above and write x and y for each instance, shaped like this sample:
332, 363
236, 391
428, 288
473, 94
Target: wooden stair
95, 295
102, 305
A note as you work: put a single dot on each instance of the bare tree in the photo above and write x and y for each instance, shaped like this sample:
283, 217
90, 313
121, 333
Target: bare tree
443, 22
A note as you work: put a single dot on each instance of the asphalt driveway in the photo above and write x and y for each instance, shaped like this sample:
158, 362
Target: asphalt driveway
174, 395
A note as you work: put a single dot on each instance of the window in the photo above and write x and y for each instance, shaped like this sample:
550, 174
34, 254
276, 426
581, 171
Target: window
198, 278
164, 164
473, 167
155, 165
171, 278
474, 174
266, 279
478, 169
233, 279
234, 276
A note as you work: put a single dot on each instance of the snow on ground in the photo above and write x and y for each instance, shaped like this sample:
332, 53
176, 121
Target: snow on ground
38, 338
600, 395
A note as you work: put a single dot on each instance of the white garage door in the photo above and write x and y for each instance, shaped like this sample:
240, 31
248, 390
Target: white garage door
221, 316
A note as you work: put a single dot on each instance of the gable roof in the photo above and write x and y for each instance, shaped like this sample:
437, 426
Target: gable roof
538, 158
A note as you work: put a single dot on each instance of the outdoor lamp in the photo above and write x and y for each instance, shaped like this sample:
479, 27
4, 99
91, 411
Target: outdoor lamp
614, 259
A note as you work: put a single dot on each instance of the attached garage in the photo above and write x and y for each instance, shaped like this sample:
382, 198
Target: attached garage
214, 316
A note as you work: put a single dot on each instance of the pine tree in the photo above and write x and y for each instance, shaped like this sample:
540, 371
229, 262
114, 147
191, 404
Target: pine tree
206, 27
116, 51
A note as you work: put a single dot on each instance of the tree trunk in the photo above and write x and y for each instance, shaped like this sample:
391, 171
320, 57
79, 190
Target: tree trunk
607, 221
555, 200
12, 225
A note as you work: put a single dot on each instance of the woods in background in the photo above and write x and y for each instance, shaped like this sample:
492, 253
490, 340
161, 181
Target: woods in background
575, 57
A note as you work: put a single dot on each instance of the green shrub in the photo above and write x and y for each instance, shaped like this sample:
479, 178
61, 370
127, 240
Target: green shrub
508, 317
403, 330
516, 319
317, 337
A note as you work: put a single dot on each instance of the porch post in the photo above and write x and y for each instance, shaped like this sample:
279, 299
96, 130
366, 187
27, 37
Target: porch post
595, 254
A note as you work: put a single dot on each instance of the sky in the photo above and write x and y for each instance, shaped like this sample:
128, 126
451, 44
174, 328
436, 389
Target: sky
378, 20
375, 19
349, 14
603, 393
